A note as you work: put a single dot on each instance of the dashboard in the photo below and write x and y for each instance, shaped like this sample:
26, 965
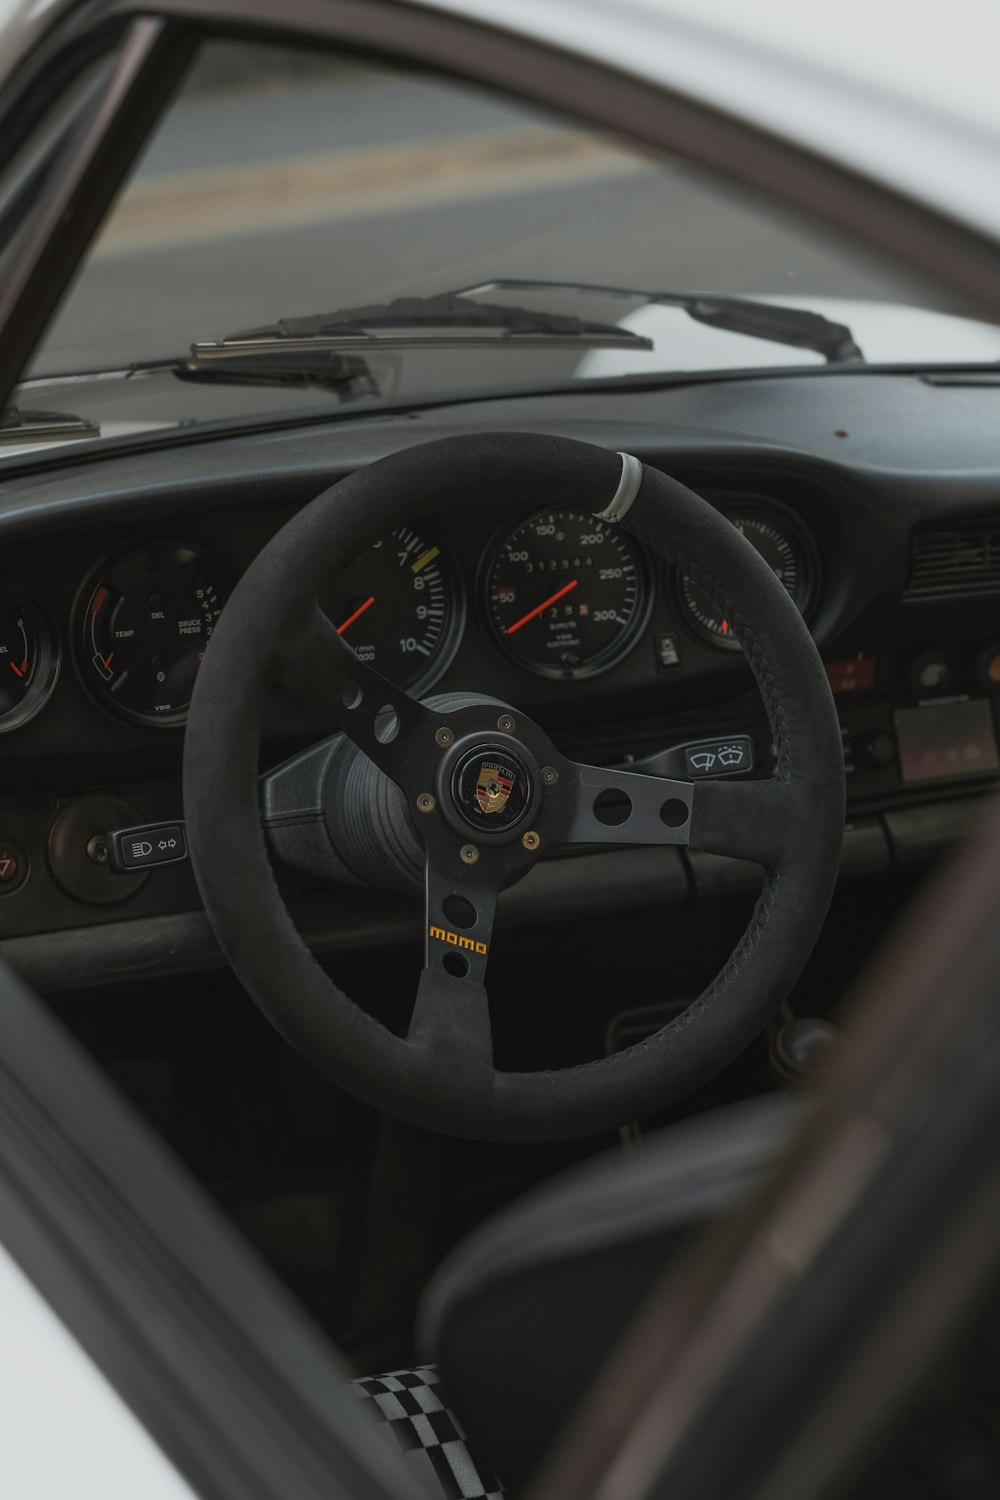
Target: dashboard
558, 595
115, 571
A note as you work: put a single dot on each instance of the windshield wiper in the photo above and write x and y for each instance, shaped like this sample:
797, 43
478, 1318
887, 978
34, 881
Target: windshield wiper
17, 426
794, 326
347, 376
445, 321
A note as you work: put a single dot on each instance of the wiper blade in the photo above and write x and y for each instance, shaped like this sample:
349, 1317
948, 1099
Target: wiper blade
794, 326
17, 425
347, 376
447, 320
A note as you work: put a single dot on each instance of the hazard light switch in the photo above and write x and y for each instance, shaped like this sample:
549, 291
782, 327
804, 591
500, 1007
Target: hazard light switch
13, 866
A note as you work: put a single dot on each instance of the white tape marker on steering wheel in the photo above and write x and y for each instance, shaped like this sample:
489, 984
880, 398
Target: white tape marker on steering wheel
628, 488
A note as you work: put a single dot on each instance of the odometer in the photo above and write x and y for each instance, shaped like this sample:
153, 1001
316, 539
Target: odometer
397, 607
565, 594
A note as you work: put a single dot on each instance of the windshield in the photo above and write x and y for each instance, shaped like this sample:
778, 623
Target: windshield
283, 184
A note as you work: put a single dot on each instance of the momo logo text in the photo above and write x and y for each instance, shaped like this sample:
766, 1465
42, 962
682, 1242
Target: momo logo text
456, 940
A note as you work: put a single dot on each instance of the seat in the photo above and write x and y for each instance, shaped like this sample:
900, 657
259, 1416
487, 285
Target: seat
520, 1316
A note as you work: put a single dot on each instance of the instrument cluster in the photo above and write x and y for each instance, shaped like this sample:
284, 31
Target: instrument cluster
560, 595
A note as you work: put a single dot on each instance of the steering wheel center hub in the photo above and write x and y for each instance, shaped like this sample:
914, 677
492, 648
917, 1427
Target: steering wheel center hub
492, 788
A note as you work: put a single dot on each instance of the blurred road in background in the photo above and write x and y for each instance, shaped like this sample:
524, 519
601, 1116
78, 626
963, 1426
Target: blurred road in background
261, 199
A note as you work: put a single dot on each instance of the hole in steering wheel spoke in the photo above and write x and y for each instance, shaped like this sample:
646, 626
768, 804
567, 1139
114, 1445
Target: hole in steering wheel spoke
674, 813
455, 964
612, 807
459, 912
386, 724
354, 696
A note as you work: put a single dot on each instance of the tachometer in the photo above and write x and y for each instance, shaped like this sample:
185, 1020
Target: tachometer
29, 661
146, 624
782, 548
566, 594
397, 607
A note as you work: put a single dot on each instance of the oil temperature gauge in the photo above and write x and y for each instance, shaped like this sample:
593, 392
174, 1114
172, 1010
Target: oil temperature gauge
29, 661
146, 624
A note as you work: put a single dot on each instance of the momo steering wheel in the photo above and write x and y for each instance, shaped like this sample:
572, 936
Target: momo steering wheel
481, 792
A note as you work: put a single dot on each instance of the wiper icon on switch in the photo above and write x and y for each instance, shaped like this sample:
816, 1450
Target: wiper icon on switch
719, 757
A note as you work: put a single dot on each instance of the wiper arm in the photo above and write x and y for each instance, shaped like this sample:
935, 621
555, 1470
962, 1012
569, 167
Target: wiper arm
782, 325
447, 320
38, 426
794, 326
347, 376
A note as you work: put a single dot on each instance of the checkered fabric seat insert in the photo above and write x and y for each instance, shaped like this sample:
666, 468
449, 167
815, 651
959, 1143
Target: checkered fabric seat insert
428, 1433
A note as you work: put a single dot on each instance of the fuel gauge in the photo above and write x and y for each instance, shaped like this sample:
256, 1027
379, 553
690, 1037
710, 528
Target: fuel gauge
29, 662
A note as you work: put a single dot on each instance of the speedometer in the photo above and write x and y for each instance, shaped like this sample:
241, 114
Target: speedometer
566, 594
784, 549
398, 608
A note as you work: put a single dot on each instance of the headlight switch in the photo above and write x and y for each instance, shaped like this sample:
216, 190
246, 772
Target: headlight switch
148, 844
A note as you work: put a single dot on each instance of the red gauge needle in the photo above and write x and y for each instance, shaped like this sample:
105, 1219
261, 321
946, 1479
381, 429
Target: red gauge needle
544, 605
15, 668
356, 615
108, 660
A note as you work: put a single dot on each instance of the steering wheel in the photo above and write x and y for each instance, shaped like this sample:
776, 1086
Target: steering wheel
486, 792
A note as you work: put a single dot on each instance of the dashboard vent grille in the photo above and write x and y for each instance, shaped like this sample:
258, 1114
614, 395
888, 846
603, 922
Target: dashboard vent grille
955, 561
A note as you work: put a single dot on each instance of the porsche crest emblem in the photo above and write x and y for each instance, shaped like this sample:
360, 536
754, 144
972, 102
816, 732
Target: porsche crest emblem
494, 785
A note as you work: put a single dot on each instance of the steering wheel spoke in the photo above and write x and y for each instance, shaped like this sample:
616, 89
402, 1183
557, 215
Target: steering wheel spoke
451, 1021
460, 902
393, 729
750, 820
451, 1013
624, 807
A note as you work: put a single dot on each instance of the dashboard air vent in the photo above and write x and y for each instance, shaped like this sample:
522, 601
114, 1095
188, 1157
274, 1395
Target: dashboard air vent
955, 561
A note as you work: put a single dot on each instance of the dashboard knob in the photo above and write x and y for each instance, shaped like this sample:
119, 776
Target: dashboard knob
988, 666
932, 674
876, 749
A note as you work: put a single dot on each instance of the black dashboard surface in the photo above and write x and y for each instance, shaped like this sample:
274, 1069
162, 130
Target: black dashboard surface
854, 463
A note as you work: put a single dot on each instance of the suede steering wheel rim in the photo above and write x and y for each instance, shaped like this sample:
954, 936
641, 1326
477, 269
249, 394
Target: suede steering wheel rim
272, 633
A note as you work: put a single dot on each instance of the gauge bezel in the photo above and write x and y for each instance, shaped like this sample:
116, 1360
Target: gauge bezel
45, 679
442, 657
81, 605
613, 655
752, 508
